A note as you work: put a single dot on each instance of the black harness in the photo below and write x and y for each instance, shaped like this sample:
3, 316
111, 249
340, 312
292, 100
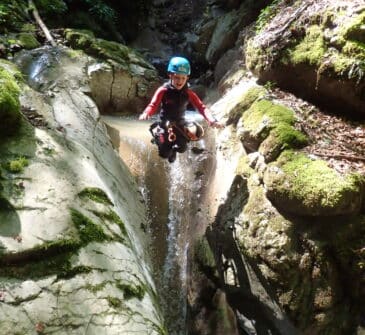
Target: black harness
174, 104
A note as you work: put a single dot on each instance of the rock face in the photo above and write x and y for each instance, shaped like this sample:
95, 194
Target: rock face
289, 220
72, 260
319, 60
123, 82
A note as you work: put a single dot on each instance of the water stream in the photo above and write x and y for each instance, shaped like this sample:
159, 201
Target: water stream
171, 192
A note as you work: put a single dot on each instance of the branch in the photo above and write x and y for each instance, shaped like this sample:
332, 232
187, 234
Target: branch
340, 156
38, 19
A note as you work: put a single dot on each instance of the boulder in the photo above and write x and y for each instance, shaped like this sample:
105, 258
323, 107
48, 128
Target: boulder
321, 61
303, 186
122, 82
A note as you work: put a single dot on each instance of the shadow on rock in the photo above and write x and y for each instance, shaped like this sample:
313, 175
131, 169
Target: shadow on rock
9, 219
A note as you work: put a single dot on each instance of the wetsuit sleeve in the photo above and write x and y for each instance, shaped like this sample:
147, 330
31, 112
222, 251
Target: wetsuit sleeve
198, 104
155, 102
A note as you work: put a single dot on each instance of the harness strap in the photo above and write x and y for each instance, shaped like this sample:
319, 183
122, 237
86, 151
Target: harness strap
172, 125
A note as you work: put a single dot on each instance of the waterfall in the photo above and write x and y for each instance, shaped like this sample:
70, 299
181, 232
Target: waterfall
171, 193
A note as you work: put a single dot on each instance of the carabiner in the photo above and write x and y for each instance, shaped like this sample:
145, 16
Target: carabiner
171, 137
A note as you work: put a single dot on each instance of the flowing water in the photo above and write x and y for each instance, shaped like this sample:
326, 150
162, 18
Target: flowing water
171, 192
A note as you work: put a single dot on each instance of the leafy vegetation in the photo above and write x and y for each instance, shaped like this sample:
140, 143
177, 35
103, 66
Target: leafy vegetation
13, 14
265, 15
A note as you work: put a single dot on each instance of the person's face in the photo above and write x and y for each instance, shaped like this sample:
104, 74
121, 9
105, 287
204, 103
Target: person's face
178, 80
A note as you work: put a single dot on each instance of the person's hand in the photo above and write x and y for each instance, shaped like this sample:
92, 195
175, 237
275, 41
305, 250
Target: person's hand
143, 116
216, 124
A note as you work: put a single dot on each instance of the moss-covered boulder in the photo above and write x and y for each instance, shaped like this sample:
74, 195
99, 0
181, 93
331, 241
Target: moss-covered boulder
244, 102
308, 262
300, 185
315, 50
28, 40
124, 82
269, 128
10, 114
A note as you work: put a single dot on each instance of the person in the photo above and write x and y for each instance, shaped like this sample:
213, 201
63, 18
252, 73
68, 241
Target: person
172, 133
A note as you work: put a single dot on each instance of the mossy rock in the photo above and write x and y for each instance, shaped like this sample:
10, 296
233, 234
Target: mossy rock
203, 253
311, 49
10, 114
248, 98
354, 29
89, 231
28, 40
319, 56
95, 194
269, 128
299, 185
105, 50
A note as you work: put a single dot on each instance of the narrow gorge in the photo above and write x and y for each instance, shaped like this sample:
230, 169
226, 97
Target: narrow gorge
259, 228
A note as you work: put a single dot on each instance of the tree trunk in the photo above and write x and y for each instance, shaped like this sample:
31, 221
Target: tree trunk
39, 21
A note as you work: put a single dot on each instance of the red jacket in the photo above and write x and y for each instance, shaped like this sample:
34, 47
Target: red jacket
174, 102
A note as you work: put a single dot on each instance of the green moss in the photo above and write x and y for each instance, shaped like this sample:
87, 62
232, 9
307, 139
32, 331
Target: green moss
95, 194
62, 245
49, 151
355, 50
131, 291
354, 30
256, 57
311, 49
265, 118
36, 265
9, 103
74, 54
106, 50
17, 165
85, 40
250, 96
67, 271
111, 216
88, 230
114, 302
96, 288
289, 137
28, 28
28, 40
313, 181
265, 16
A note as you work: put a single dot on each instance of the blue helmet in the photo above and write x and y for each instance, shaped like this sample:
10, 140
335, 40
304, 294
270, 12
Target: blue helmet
179, 65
